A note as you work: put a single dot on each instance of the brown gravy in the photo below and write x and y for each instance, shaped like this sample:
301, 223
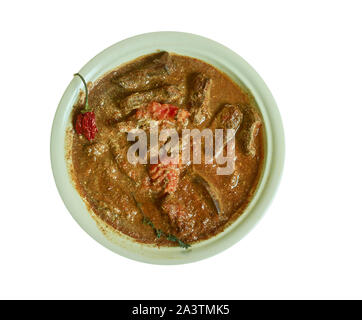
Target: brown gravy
123, 195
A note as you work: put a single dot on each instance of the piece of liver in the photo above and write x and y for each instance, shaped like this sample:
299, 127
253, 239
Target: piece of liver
200, 98
165, 94
188, 210
229, 117
149, 75
250, 131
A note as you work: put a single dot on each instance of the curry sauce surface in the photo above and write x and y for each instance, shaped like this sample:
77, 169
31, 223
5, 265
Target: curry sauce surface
108, 191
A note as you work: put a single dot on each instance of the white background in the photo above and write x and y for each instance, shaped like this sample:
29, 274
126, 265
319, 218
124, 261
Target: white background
308, 245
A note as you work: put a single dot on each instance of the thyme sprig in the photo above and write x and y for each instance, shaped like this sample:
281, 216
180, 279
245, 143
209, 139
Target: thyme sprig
169, 236
159, 233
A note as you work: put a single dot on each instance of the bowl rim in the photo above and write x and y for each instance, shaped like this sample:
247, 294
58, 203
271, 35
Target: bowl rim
225, 60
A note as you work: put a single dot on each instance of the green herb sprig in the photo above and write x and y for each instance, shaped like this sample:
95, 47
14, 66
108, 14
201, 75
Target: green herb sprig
182, 244
159, 233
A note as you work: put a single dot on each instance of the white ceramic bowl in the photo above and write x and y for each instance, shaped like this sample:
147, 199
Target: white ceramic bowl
225, 60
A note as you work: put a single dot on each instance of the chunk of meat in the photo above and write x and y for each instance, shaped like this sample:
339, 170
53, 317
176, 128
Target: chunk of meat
189, 212
200, 98
212, 192
253, 133
179, 217
229, 117
166, 94
229, 190
149, 75
250, 130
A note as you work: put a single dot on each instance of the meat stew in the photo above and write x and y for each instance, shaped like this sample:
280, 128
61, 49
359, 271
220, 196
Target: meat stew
155, 203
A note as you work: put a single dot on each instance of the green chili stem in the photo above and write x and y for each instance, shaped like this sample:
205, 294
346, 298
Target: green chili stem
86, 108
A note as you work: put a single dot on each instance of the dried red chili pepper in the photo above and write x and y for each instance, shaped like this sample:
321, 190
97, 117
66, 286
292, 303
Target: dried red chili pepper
86, 125
86, 120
